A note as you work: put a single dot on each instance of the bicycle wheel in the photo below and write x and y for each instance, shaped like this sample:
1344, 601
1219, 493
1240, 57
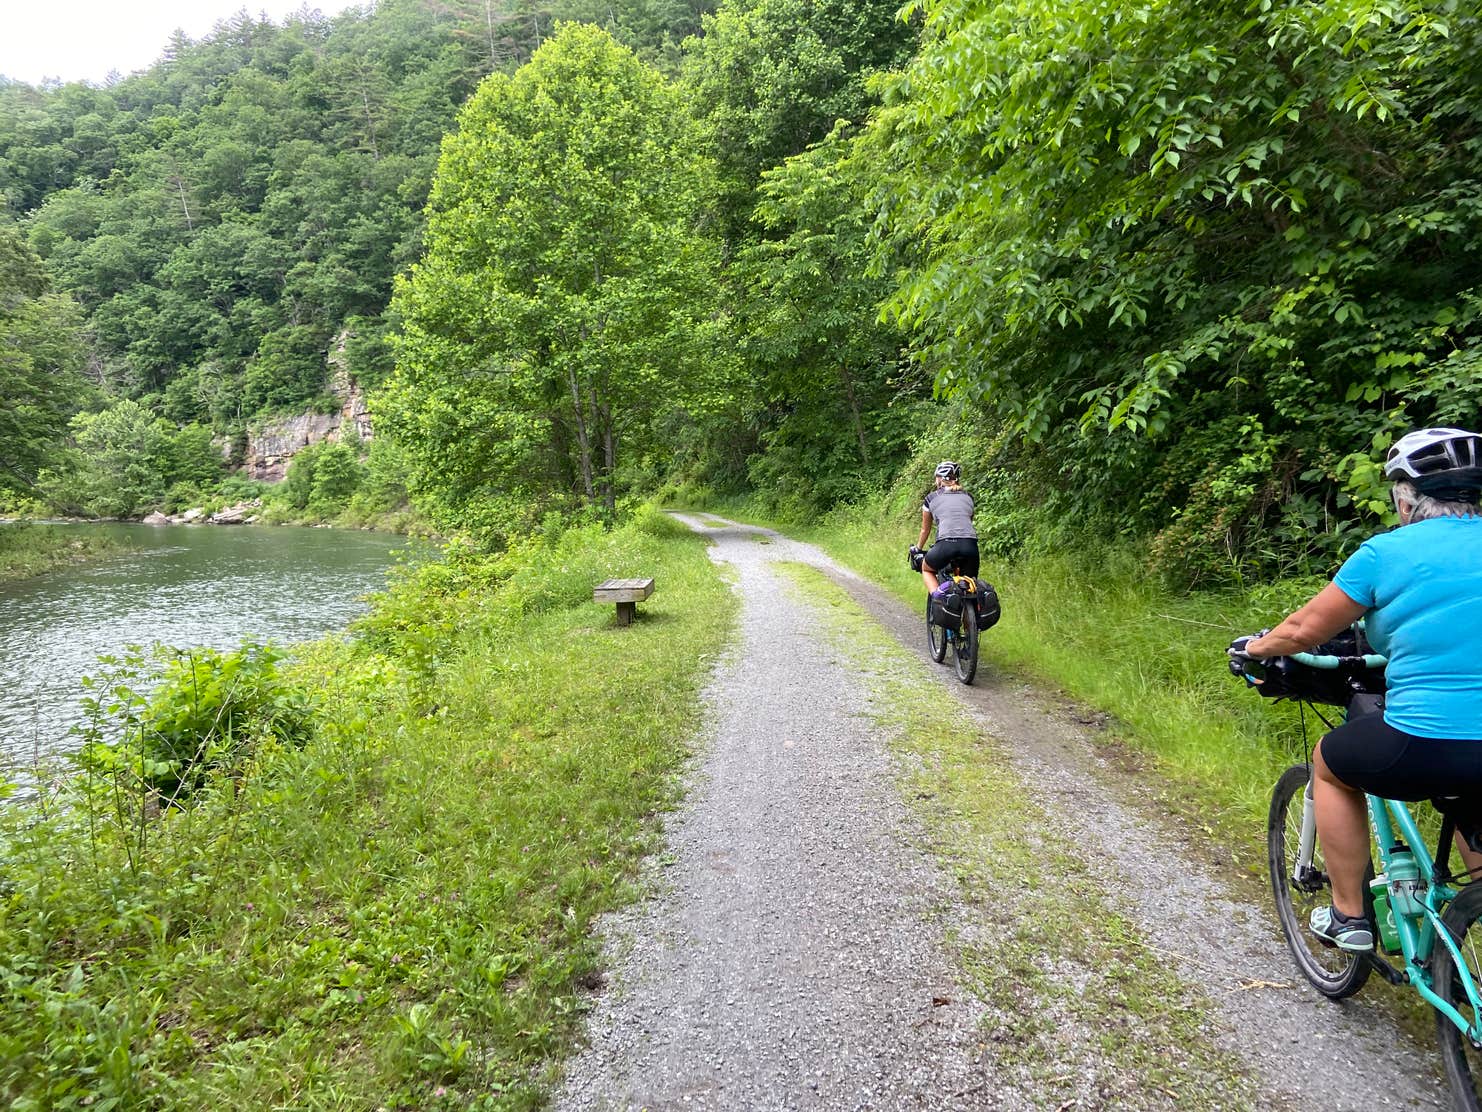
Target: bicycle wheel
1463, 1058
965, 644
936, 636
1334, 973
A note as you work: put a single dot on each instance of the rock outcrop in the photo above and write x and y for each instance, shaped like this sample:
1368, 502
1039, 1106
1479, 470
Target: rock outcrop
272, 444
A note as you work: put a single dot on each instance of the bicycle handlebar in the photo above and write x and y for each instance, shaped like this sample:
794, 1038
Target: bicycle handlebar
1333, 663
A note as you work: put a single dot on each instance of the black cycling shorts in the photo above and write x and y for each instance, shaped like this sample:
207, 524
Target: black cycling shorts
961, 551
1369, 754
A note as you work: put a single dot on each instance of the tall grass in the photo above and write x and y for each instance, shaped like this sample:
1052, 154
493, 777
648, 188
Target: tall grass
399, 913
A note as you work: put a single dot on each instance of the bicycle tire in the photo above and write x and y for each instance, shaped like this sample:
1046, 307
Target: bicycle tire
1463, 1061
936, 636
1334, 973
965, 645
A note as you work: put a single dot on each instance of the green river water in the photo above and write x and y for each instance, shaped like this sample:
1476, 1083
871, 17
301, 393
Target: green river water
180, 585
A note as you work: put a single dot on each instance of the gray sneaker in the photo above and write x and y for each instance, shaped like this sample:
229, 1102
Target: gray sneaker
1334, 928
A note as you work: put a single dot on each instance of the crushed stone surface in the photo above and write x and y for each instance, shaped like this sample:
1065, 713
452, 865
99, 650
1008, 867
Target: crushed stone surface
793, 955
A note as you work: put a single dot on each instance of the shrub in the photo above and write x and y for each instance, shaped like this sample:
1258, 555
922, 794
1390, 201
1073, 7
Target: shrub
208, 711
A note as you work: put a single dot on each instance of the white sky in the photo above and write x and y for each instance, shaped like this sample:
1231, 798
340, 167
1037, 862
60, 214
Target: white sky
81, 40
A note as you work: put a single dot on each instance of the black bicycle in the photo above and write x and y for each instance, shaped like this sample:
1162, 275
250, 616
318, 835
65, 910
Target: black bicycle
955, 618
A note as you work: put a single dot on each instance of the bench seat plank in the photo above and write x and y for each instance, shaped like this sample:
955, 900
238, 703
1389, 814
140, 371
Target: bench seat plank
623, 590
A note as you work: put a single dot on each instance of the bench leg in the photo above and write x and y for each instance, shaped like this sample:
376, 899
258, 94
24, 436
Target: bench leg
625, 612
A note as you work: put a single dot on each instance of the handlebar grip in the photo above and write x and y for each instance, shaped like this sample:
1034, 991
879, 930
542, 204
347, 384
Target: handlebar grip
1333, 663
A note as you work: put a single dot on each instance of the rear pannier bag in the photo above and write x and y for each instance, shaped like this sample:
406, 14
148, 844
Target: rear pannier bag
988, 609
947, 602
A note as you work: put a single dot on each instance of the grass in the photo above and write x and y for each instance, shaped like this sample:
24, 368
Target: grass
397, 915
1078, 1002
27, 549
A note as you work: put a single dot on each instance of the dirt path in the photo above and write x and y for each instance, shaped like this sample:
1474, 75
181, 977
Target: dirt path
805, 949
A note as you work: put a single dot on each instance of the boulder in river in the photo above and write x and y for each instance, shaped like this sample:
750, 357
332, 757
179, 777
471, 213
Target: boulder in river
193, 514
157, 518
240, 514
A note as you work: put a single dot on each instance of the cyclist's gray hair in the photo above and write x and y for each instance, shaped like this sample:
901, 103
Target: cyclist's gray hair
1423, 506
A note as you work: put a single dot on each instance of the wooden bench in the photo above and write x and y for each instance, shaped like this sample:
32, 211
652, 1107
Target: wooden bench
627, 593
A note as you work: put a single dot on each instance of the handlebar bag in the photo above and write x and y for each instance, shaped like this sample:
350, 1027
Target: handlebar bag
1285, 678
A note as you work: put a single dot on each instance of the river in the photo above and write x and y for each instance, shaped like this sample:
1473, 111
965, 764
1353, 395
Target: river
180, 585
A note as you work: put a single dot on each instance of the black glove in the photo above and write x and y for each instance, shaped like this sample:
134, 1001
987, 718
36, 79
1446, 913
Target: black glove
915, 556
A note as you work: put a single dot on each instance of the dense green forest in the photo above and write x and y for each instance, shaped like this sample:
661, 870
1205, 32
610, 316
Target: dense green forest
1167, 271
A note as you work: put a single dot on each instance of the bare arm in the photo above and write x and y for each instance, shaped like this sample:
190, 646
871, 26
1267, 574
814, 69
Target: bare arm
1329, 612
925, 529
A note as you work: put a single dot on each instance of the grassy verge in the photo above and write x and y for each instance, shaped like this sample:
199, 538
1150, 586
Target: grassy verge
398, 913
1087, 1011
27, 549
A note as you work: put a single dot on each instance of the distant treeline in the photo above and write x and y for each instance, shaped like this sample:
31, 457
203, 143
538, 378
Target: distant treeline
1179, 270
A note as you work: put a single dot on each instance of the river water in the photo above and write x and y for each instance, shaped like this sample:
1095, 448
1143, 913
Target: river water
180, 585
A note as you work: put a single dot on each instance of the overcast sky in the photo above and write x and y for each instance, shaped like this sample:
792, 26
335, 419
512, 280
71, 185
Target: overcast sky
81, 40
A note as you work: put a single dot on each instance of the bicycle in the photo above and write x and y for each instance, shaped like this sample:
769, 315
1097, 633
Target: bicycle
1425, 915
959, 629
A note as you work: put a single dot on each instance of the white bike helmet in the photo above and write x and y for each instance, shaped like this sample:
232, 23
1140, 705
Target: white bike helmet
949, 471
1436, 461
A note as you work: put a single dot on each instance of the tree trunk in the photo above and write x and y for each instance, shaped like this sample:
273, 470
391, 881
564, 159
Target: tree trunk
864, 447
370, 123
583, 440
609, 460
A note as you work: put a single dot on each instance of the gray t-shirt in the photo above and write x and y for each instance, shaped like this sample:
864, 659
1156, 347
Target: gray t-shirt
953, 512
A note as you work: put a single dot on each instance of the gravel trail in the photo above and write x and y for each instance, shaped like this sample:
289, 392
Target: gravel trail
795, 957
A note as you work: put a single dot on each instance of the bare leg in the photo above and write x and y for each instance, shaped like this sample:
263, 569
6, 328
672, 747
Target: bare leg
1343, 834
929, 577
1472, 858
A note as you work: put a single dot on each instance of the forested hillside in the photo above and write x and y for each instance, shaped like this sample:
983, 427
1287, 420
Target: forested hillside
1177, 270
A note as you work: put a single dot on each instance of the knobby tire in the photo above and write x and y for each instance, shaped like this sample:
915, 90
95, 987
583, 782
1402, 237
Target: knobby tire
965, 644
1334, 973
936, 636
1463, 1061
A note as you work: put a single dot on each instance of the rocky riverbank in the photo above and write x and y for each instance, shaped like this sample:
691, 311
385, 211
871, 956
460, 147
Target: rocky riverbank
243, 513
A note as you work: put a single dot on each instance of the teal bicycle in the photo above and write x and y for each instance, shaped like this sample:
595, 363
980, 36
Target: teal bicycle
1428, 934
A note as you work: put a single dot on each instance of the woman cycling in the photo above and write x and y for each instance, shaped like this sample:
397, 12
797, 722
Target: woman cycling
1420, 587
951, 508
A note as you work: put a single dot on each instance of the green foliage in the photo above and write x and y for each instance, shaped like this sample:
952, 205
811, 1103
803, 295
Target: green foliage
828, 376
770, 78
27, 549
1124, 226
127, 460
564, 299
41, 359
159, 725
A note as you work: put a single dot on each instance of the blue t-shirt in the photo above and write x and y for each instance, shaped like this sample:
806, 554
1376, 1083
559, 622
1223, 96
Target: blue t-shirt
1423, 585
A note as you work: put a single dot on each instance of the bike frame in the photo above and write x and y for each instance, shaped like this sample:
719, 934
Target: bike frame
1391, 823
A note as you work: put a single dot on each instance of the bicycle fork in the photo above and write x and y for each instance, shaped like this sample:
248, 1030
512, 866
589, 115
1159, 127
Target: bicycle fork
1303, 873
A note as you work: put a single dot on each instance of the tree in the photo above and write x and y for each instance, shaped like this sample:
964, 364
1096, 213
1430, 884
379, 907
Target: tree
1208, 254
125, 459
41, 359
564, 297
770, 78
826, 370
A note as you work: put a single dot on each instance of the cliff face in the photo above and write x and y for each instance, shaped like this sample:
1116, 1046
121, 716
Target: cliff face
271, 445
